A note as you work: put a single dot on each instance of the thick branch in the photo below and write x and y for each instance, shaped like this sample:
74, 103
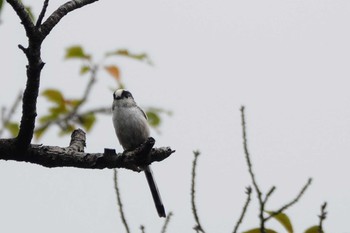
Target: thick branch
74, 155
58, 14
23, 15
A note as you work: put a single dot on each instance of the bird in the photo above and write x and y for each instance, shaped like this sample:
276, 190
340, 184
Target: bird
132, 129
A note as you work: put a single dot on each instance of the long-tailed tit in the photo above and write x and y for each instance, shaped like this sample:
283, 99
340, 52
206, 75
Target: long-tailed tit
131, 127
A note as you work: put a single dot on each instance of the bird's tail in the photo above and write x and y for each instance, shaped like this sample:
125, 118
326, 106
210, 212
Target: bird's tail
155, 193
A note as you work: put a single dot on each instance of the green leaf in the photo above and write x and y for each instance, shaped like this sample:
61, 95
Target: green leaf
76, 52
57, 110
284, 220
13, 127
313, 229
88, 121
137, 56
153, 118
47, 118
84, 69
257, 230
54, 96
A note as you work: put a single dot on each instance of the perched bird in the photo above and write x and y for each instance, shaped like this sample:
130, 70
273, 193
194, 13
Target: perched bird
131, 126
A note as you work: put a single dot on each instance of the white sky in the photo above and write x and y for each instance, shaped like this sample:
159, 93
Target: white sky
286, 61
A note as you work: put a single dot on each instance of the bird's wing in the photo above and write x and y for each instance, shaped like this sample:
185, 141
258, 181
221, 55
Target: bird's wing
143, 112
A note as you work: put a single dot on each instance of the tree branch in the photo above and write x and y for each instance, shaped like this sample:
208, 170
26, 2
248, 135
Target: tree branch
244, 210
252, 175
119, 201
198, 227
23, 15
42, 13
74, 155
295, 200
166, 222
57, 15
322, 217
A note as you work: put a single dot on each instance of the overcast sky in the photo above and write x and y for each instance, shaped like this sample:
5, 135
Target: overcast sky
286, 61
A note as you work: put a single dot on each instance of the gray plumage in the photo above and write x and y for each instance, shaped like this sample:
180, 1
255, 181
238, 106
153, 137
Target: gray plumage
131, 126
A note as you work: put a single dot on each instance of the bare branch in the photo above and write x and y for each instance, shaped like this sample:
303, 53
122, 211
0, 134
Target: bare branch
166, 222
198, 227
252, 175
322, 217
247, 156
63, 10
269, 193
295, 200
23, 15
42, 13
120, 204
244, 210
74, 156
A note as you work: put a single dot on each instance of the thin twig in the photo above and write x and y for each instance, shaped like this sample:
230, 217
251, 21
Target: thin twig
269, 193
23, 15
295, 200
247, 156
120, 204
142, 228
252, 175
198, 227
244, 210
166, 222
42, 13
322, 217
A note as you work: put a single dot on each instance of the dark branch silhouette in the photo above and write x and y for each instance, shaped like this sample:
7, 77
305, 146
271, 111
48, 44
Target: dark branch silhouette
74, 155
261, 199
322, 217
166, 222
198, 227
119, 201
244, 210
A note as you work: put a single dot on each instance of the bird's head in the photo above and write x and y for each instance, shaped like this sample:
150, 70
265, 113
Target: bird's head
123, 97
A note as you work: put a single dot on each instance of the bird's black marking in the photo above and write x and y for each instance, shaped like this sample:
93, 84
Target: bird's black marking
124, 95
